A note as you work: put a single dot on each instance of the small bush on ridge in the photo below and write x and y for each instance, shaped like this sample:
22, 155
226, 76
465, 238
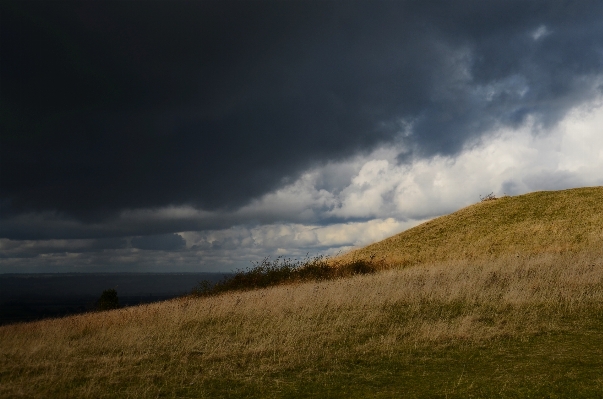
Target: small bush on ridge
489, 197
108, 300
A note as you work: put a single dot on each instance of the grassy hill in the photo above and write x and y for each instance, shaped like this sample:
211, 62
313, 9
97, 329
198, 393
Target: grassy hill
521, 318
545, 221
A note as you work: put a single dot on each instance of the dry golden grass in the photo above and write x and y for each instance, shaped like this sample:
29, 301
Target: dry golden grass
546, 221
250, 334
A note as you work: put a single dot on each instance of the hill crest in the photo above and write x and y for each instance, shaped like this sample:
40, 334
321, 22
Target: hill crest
538, 222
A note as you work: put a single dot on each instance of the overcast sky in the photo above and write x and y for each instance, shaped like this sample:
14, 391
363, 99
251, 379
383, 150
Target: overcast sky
200, 136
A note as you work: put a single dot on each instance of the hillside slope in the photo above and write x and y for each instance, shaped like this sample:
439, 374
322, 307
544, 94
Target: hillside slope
493, 324
507, 328
539, 222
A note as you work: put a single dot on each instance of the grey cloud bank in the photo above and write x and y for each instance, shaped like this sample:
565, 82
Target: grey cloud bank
164, 135
382, 196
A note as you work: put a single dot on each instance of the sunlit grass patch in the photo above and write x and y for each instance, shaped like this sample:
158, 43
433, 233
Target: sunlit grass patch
540, 222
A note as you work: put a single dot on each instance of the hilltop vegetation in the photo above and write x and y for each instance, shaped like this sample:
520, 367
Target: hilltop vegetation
535, 223
524, 320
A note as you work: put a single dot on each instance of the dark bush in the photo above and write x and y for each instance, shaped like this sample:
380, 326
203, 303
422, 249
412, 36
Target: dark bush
286, 271
361, 267
108, 300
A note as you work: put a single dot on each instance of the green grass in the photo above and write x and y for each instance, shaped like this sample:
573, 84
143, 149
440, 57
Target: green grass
554, 365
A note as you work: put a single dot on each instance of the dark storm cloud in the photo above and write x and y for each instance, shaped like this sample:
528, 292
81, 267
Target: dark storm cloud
32, 249
163, 242
113, 106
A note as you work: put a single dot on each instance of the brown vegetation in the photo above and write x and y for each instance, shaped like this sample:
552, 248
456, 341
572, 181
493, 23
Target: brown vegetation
251, 333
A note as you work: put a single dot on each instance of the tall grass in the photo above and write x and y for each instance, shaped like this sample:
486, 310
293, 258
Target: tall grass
241, 342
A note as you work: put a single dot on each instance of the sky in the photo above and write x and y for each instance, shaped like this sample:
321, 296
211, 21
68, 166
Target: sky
205, 135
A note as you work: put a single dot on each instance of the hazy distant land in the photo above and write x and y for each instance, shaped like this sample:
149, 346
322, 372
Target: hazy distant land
25, 297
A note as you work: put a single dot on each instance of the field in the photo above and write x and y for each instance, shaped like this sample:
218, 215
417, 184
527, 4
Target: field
520, 322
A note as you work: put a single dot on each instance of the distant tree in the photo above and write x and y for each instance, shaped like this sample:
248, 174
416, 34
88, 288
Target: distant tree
108, 300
